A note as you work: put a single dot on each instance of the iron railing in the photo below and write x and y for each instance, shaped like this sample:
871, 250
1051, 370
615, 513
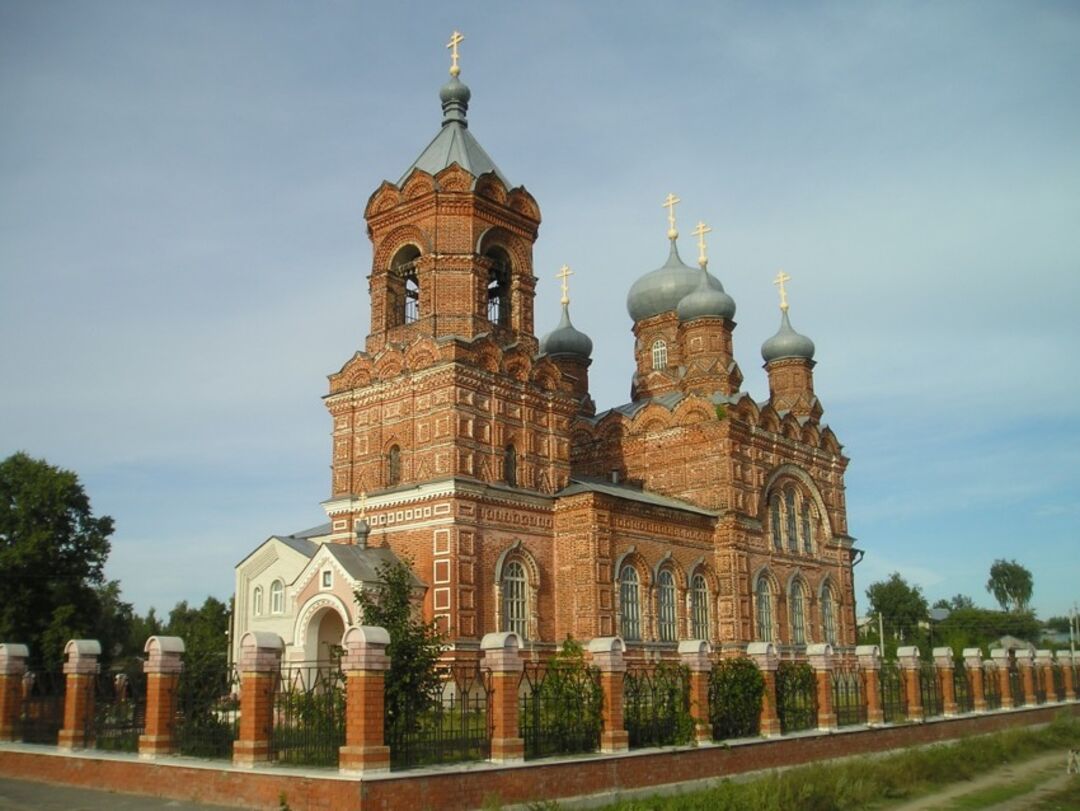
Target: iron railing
1039, 683
656, 705
736, 689
894, 707
796, 697
849, 695
992, 688
208, 707
452, 726
1059, 683
930, 690
42, 713
1016, 687
309, 714
119, 710
965, 699
559, 709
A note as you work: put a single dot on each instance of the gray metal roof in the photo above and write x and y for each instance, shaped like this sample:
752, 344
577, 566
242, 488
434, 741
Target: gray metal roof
363, 564
566, 339
662, 289
584, 484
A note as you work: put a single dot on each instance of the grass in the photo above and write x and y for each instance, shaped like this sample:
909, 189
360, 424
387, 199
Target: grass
868, 782
992, 795
1064, 799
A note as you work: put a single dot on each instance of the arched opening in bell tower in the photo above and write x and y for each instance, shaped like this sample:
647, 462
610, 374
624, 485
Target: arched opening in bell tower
405, 285
498, 288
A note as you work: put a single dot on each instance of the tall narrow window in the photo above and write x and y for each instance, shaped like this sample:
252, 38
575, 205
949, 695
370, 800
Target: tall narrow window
699, 607
807, 528
393, 466
798, 614
412, 296
659, 354
257, 602
510, 465
404, 290
665, 598
828, 618
498, 290
629, 597
515, 601
774, 521
277, 597
791, 519
764, 610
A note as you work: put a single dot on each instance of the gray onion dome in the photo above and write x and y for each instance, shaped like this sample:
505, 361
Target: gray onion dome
455, 96
661, 290
565, 339
787, 343
707, 301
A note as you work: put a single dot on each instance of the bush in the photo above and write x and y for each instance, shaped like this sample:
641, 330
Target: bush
736, 688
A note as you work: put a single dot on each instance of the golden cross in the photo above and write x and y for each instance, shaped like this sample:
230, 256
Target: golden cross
564, 274
670, 204
700, 232
455, 39
779, 281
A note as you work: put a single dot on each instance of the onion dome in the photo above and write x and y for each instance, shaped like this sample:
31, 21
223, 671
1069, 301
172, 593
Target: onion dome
662, 289
707, 301
455, 96
787, 343
565, 339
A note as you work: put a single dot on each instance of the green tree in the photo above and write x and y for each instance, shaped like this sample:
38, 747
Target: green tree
52, 559
413, 679
1059, 624
204, 630
902, 605
1011, 585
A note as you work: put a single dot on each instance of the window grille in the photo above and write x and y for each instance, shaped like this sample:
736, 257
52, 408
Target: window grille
807, 529
515, 601
631, 605
699, 607
790, 515
774, 521
277, 597
828, 618
659, 355
666, 600
393, 466
764, 610
798, 614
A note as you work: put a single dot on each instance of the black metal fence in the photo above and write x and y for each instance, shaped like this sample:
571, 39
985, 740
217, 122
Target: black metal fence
736, 688
1039, 683
965, 698
1016, 688
559, 709
42, 707
992, 688
309, 714
656, 705
452, 726
208, 707
930, 690
849, 695
1059, 683
796, 697
894, 707
119, 710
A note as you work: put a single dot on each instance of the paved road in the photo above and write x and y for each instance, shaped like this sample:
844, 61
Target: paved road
23, 795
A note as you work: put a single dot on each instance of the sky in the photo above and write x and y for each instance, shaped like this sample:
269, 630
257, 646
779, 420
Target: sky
183, 256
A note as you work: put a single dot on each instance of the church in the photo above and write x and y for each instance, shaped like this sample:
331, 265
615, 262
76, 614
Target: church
469, 447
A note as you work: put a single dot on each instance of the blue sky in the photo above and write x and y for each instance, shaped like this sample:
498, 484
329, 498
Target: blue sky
183, 253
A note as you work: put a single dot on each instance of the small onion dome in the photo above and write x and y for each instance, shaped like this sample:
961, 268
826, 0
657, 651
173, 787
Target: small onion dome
787, 343
661, 290
707, 301
565, 340
455, 96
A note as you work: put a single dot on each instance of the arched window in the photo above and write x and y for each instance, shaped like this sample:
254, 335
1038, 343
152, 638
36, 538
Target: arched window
774, 522
257, 602
659, 354
796, 603
406, 285
498, 289
393, 466
665, 598
510, 465
791, 518
807, 528
828, 616
629, 598
764, 610
699, 607
515, 599
277, 597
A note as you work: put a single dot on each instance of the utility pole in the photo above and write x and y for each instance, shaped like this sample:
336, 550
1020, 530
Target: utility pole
1072, 633
881, 631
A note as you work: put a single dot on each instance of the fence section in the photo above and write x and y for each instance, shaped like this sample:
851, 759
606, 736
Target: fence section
119, 710
849, 695
796, 697
1059, 683
991, 688
965, 698
42, 707
656, 705
309, 714
208, 705
894, 705
559, 709
1016, 689
930, 690
736, 687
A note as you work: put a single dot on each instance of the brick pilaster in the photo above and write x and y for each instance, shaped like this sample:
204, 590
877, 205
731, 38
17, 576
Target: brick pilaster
1064, 661
695, 656
80, 669
502, 656
870, 661
1000, 658
820, 657
364, 664
908, 657
606, 654
162, 668
764, 656
973, 665
260, 668
1026, 662
1044, 671
943, 665
12, 667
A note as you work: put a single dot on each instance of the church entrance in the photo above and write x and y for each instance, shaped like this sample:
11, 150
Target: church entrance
324, 632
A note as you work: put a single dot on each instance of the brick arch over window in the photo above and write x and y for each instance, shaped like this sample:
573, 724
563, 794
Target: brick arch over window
701, 584
773, 482
631, 595
404, 285
798, 610
829, 611
516, 553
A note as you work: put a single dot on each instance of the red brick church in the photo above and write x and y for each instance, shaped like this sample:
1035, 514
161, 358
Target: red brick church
465, 443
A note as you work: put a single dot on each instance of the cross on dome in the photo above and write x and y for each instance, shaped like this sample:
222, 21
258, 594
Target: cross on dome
564, 274
455, 39
670, 204
700, 232
779, 281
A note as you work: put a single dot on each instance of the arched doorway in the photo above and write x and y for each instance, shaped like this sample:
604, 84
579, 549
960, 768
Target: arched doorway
323, 637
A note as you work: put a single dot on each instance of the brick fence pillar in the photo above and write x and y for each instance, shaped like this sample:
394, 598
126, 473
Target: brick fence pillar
764, 656
973, 666
1044, 673
12, 667
260, 668
502, 656
869, 657
162, 668
820, 657
694, 654
943, 665
364, 663
908, 657
606, 654
1064, 661
80, 669
1026, 662
1000, 658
